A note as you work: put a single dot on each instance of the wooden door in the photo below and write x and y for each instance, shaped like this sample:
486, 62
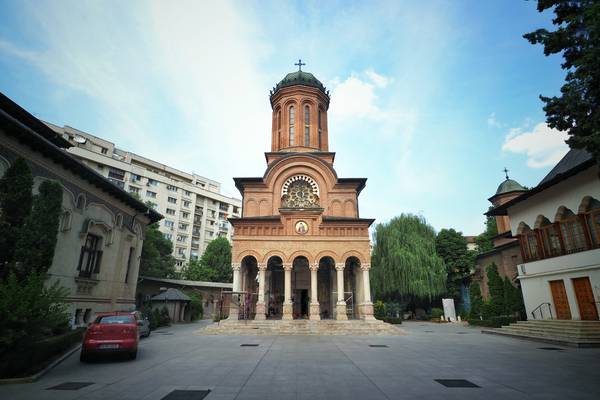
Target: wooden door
585, 299
561, 302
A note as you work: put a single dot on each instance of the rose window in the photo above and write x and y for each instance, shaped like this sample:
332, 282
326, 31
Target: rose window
300, 191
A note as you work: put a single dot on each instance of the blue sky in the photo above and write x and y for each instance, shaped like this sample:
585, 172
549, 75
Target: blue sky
430, 99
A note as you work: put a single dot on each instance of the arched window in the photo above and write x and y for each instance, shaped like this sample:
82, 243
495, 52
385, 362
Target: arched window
529, 244
80, 205
319, 126
292, 124
591, 212
550, 238
279, 120
307, 126
572, 232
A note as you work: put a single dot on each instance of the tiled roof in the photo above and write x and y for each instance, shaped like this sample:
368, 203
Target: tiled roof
171, 294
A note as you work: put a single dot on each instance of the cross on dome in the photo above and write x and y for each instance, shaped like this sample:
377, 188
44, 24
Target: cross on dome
505, 172
300, 64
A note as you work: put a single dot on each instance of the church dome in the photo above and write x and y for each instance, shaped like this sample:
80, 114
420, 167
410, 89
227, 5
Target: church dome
508, 186
299, 78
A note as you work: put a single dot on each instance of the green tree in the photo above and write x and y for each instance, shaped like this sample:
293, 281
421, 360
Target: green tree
476, 299
214, 265
37, 239
577, 39
484, 241
404, 260
15, 206
30, 310
496, 305
452, 247
156, 260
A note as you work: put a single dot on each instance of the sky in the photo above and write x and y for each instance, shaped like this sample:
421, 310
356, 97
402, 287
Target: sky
430, 100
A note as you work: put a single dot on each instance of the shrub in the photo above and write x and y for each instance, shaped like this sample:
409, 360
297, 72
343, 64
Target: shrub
392, 320
29, 311
379, 309
437, 313
165, 319
33, 358
493, 322
195, 306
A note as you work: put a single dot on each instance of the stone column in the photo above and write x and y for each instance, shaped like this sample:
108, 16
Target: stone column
367, 304
234, 310
260, 303
315, 309
288, 307
340, 306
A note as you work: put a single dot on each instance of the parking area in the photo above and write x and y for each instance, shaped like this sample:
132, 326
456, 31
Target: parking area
419, 365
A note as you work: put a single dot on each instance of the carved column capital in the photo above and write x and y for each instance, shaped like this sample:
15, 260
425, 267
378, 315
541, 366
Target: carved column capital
314, 267
365, 267
287, 267
236, 267
262, 266
340, 266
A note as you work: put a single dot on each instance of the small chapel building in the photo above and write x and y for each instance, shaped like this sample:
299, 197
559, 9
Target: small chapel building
300, 248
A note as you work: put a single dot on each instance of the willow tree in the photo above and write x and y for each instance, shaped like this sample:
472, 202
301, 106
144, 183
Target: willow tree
405, 264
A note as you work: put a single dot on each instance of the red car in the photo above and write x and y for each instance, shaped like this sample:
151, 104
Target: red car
111, 333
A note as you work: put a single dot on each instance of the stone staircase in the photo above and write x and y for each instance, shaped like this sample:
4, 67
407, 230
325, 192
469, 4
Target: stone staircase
302, 327
562, 332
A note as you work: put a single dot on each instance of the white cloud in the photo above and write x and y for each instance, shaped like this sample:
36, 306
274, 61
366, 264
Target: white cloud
543, 146
355, 98
377, 79
162, 85
493, 122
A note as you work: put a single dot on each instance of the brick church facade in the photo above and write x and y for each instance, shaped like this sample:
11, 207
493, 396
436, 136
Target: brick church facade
300, 248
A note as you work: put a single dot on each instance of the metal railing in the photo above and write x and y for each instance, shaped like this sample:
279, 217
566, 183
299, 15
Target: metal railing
540, 308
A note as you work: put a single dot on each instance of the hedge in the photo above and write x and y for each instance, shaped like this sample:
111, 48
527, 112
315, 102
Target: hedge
33, 358
392, 320
493, 322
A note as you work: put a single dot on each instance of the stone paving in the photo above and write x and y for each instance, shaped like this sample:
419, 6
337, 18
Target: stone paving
332, 367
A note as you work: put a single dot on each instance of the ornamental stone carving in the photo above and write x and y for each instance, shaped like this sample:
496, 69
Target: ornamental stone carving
262, 266
365, 267
236, 267
300, 191
287, 267
314, 267
340, 266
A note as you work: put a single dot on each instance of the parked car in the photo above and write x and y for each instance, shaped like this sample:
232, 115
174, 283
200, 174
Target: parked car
143, 323
111, 333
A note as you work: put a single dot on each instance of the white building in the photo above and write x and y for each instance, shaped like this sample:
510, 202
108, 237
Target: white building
195, 212
558, 226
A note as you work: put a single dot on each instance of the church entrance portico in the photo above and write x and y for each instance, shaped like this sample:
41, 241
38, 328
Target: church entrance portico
302, 288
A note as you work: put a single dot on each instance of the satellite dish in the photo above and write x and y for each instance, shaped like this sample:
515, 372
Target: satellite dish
79, 139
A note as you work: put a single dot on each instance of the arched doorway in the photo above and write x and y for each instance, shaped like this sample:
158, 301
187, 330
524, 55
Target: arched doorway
352, 286
326, 287
249, 287
300, 288
274, 291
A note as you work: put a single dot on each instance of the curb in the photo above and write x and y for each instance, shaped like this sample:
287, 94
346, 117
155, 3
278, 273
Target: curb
38, 375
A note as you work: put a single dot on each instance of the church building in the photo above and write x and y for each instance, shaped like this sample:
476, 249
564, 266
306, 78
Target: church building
300, 248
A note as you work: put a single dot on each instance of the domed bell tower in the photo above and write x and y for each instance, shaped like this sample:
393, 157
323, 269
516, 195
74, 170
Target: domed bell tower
299, 103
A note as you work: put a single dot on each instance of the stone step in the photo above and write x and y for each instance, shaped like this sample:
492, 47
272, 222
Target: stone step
564, 341
579, 324
561, 329
352, 327
549, 333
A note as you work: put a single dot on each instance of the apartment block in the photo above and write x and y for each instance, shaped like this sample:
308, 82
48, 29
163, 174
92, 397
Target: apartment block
195, 211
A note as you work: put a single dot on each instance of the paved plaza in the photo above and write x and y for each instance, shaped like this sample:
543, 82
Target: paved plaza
331, 367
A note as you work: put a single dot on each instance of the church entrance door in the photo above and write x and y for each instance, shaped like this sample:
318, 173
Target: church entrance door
274, 294
300, 287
